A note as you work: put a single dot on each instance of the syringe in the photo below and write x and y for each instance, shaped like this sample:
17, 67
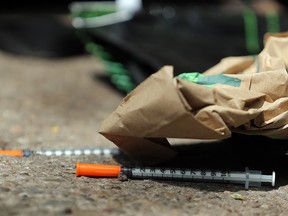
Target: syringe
252, 178
100, 151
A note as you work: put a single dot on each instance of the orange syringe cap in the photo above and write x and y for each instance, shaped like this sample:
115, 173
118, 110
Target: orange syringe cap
18, 153
97, 170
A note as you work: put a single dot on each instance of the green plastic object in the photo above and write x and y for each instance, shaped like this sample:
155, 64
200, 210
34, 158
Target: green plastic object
210, 80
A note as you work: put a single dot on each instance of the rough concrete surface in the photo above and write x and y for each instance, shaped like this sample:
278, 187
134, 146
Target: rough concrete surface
60, 103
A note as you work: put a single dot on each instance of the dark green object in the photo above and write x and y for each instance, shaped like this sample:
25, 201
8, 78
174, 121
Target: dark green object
194, 37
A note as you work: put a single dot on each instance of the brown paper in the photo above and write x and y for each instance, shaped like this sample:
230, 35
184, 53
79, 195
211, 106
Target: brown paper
164, 106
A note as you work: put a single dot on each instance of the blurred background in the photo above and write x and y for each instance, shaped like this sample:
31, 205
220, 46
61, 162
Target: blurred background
135, 38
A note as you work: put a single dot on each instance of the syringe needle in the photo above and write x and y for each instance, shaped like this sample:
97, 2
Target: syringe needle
248, 178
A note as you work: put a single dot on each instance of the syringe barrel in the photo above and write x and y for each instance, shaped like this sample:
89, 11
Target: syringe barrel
179, 174
101, 151
249, 178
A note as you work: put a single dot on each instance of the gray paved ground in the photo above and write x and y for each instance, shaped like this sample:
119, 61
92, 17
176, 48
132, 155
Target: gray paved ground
59, 104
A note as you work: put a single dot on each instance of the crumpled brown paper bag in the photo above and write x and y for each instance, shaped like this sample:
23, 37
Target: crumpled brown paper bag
164, 106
